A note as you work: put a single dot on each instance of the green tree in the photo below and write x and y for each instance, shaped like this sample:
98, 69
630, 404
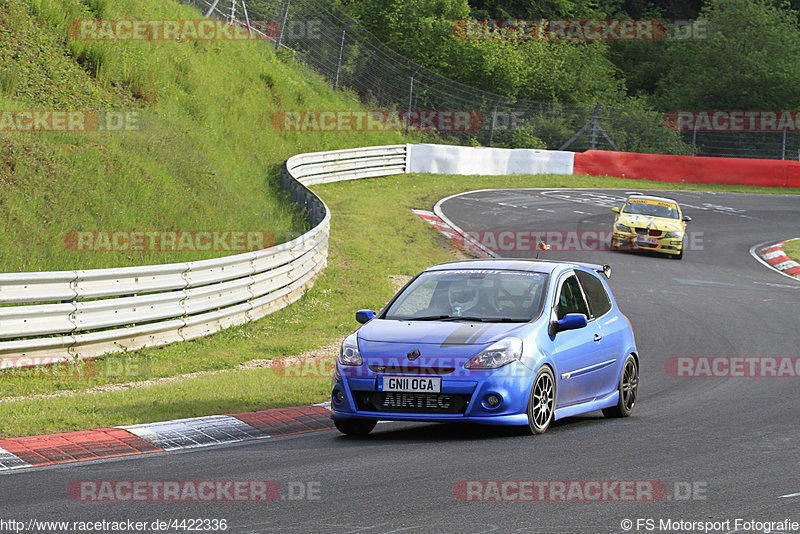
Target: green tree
421, 30
751, 60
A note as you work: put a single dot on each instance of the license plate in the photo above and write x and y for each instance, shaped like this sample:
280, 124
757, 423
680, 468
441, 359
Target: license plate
647, 240
410, 384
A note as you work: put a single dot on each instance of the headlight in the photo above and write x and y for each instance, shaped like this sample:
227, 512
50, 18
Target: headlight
349, 354
673, 234
622, 228
497, 355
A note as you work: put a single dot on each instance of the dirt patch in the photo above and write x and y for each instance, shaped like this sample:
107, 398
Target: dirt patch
328, 351
398, 281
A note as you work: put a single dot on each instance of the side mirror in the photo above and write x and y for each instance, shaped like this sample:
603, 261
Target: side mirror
364, 316
686, 218
615, 209
571, 321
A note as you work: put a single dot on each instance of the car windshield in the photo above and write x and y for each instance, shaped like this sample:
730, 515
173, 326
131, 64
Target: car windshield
651, 208
486, 295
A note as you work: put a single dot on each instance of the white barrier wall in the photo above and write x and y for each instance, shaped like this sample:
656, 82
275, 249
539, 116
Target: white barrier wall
447, 159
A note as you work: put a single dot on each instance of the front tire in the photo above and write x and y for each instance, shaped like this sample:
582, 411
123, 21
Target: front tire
542, 402
679, 255
355, 427
628, 390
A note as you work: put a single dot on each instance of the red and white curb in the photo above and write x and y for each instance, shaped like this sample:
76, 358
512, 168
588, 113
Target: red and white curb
194, 432
775, 258
52, 449
457, 237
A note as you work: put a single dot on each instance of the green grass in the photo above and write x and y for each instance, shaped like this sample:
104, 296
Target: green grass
792, 249
205, 157
372, 236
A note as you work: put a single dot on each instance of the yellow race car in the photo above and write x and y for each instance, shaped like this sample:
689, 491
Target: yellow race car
649, 223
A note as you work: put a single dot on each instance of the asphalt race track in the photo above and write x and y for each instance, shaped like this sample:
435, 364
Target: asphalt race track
723, 448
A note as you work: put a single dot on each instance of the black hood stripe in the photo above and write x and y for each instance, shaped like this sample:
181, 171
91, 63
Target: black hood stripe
465, 334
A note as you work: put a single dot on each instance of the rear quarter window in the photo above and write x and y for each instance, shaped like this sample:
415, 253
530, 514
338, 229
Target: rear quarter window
595, 291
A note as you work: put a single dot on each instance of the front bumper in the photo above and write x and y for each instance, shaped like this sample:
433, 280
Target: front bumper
462, 398
632, 241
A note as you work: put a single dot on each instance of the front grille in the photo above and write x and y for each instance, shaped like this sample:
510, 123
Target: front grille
648, 231
383, 401
407, 370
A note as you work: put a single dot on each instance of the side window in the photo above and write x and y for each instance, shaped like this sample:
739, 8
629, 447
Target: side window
595, 291
571, 299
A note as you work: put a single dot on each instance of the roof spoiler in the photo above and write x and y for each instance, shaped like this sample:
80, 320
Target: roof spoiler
604, 269
601, 269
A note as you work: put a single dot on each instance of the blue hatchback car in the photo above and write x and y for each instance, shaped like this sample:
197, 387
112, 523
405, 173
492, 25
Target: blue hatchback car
501, 342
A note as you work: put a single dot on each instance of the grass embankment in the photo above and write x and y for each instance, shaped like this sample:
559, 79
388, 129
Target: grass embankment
204, 157
373, 235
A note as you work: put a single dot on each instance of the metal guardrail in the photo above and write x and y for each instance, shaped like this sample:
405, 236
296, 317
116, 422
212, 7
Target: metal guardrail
48, 316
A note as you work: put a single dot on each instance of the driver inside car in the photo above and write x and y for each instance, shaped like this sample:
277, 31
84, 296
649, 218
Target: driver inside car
476, 301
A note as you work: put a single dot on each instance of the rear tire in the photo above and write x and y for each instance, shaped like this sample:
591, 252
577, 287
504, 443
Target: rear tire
628, 390
542, 402
355, 427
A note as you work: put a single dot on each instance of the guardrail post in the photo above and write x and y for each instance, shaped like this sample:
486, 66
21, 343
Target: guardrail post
283, 24
494, 120
595, 124
341, 51
783, 145
210, 9
411, 94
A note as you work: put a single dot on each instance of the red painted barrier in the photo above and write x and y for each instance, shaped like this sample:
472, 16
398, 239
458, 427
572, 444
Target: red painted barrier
689, 169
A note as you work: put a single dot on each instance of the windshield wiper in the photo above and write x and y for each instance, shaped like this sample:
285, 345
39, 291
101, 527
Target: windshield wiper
464, 318
447, 318
438, 318
484, 319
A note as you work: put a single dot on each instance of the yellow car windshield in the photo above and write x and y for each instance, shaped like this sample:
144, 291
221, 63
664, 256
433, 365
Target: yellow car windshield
651, 209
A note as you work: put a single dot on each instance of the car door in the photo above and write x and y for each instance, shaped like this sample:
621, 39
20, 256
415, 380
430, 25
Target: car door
577, 353
610, 326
